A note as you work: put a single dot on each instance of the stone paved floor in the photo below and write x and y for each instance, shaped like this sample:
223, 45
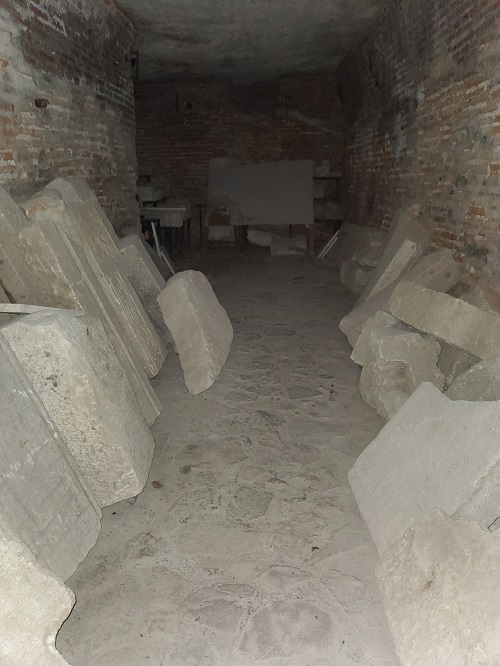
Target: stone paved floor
246, 546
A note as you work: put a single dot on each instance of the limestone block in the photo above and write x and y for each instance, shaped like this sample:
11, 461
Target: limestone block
380, 319
146, 280
441, 585
354, 276
72, 366
261, 238
44, 500
450, 319
200, 327
434, 453
437, 271
391, 402
398, 361
405, 246
34, 606
480, 382
454, 362
66, 280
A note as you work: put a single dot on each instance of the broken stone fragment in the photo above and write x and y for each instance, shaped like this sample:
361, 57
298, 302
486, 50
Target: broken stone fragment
454, 362
380, 319
199, 326
398, 360
479, 382
423, 459
441, 587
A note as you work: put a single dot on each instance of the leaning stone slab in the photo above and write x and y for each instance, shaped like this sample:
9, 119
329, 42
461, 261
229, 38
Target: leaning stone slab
73, 367
480, 382
450, 319
434, 453
350, 235
34, 606
200, 327
354, 276
380, 319
437, 271
44, 500
370, 248
398, 361
146, 280
441, 586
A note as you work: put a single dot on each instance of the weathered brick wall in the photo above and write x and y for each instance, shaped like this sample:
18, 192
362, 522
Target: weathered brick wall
181, 124
423, 93
76, 55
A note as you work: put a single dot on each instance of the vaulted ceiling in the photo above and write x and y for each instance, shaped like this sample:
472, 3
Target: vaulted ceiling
246, 38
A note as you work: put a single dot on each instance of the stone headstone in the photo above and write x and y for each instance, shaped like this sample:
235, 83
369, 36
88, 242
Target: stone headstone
72, 366
441, 586
199, 326
45, 501
434, 453
34, 606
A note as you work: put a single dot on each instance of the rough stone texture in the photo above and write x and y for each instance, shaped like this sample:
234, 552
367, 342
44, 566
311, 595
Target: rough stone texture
354, 276
423, 459
66, 280
398, 360
437, 271
72, 366
146, 279
406, 243
391, 402
454, 362
479, 382
44, 499
380, 319
200, 327
450, 319
441, 589
34, 606
4, 317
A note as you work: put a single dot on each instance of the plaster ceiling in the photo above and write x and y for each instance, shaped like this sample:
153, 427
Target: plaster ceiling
246, 38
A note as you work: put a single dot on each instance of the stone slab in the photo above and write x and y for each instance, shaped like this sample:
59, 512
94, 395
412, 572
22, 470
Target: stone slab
34, 606
441, 586
406, 244
481, 382
146, 280
454, 362
380, 319
44, 500
72, 366
447, 318
200, 327
354, 276
61, 269
350, 235
437, 271
398, 360
370, 248
434, 453
391, 402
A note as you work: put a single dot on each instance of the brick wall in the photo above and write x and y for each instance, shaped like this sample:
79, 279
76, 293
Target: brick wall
75, 55
181, 124
423, 96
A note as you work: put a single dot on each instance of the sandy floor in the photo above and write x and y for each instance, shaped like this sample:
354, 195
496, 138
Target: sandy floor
246, 545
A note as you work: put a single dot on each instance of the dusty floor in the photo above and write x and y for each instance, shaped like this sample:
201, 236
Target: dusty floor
246, 546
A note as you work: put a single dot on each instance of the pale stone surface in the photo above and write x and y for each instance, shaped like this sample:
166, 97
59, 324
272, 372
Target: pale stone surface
398, 360
454, 362
354, 276
406, 243
441, 585
72, 366
450, 319
261, 238
423, 459
391, 402
44, 500
380, 319
34, 606
200, 327
4, 317
437, 271
370, 248
66, 280
480, 382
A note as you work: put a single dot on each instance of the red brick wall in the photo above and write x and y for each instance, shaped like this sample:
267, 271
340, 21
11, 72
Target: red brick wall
423, 95
76, 55
181, 124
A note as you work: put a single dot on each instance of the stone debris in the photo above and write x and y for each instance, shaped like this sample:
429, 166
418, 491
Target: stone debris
45, 501
34, 606
398, 360
480, 382
199, 326
447, 318
441, 589
72, 366
391, 402
454, 362
437, 271
380, 319
354, 276
434, 453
